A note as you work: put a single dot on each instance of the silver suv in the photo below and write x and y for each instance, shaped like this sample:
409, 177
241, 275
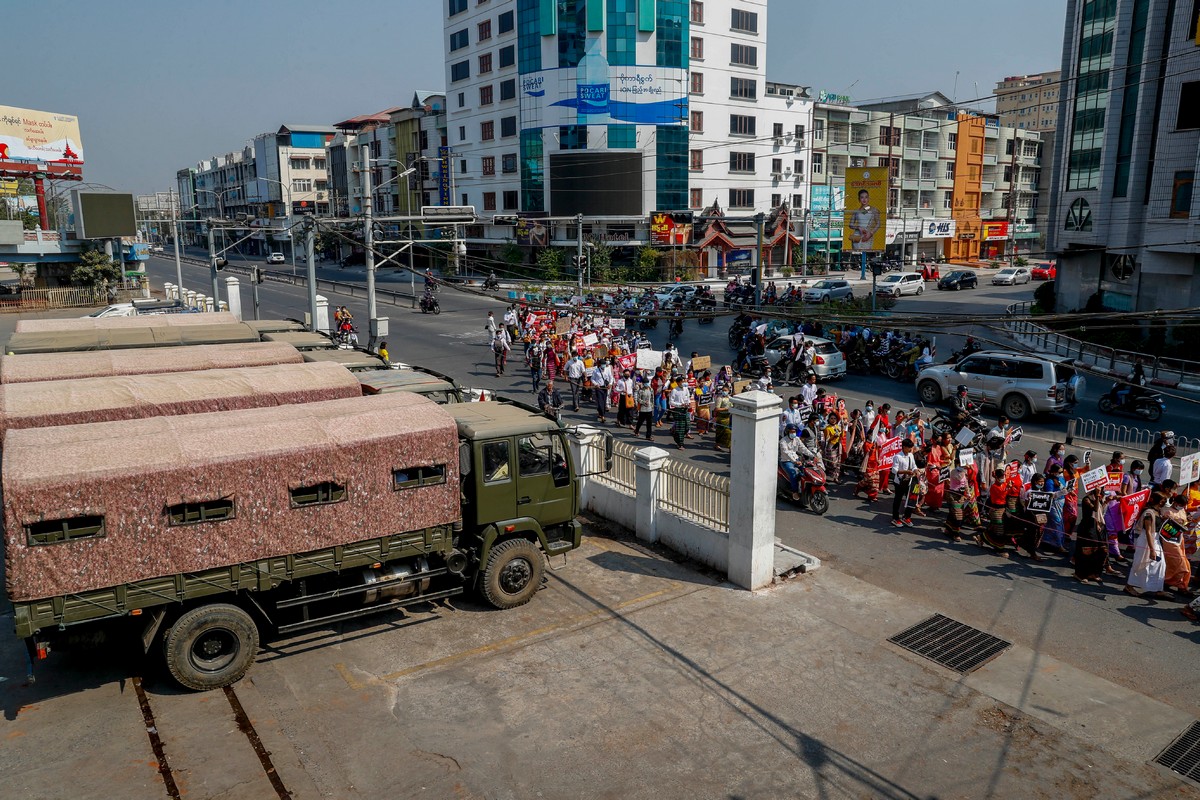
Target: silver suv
1019, 384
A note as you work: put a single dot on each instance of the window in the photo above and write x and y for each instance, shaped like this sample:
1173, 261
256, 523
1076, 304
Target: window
485, 95
947, 199
534, 454
695, 196
776, 200
488, 165
460, 71
301, 185
1079, 217
462, 169
697, 81
777, 167
697, 121
489, 201
462, 99
484, 31
818, 130
889, 136
511, 200
485, 63
741, 162
462, 133
319, 494
777, 130
508, 126
321, 185
741, 125
743, 55
744, 21
798, 166
697, 48
697, 15
1181, 194
741, 198
187, 513
459, 40
411, 477
508, 89
951, 141
743, 88
53, 531
457, 7
508, 163
818, 163
799, 134
949, 170
298, 163
319, 163
1189, 105
797, 201
696, 159
495, 462
504, 23
487, 130
508, 56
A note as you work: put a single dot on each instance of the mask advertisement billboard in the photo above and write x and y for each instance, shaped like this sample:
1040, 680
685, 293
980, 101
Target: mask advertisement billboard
39, 137
865, 226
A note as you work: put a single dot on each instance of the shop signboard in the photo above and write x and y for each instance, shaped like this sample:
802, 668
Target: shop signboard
995, 231
937, 228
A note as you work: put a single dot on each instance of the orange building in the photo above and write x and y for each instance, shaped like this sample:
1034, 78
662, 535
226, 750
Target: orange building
968, 177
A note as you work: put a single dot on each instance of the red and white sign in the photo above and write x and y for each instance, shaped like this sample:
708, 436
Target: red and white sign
1132, 505
1094, 478
888, 451
995, 231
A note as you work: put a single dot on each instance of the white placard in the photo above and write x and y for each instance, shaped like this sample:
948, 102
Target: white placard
966, 458
965, 436
617, 323
1095, 477
590, 339
1189, 469
649, 359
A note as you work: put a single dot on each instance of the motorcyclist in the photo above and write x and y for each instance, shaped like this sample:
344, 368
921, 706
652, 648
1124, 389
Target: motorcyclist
427, 298
963, 408
1136, 380
549, 400
791, 459
430, 283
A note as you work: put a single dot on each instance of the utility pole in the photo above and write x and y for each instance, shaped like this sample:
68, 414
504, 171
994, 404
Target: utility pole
759, 220
1012, 201
309, 244
175, 235
579, 250
212, 265
806, 218
368, 246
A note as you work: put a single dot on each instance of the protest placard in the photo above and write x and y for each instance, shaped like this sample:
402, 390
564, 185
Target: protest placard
1094, 478
1012, 472
741, 386
590, 339
562, 326
1039, 501
1132, 505
617, 323
943, 474
888, 451
966, 458
649, 359
965, 436
701, 362
1189, 469
628, 361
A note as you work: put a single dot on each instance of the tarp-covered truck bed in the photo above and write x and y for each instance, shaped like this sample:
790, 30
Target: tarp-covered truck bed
117, 323
125, 338
58, 366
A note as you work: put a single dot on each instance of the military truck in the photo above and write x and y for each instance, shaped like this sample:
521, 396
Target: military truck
205, 530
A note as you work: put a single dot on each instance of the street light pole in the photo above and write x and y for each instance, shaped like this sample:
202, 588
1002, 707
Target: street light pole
368, 246
212, 265
579, 250
175, 236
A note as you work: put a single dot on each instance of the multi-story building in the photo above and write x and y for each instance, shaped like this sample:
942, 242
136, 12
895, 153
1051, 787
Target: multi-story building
1124, 224
1029, 102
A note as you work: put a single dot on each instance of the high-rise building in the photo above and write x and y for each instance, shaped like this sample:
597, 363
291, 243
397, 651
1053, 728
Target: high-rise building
1124, 223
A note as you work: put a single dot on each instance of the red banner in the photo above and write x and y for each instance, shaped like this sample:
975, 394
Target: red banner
888, 451
628, 362
1012, 473
1132, 505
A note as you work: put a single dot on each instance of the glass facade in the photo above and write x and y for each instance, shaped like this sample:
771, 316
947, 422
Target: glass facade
622, 32
572, 31
671, 34
1129, 99
671, 176
1091, 93
529, 37
533, 176
622, 137
572, 137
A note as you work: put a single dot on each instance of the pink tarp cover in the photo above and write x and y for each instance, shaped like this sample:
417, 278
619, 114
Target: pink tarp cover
130, 471
111, 323
100, 363
73, 402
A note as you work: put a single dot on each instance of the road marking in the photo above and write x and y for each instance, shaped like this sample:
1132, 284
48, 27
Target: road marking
515, 639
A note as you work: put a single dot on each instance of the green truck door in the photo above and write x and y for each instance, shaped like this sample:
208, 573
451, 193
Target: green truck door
496, 482
545, 490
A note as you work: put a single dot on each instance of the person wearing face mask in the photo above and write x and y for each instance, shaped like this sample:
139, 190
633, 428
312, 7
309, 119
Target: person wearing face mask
1057, 451
1162, 468
1070, 475
831, 447
1028, 467
793, 452
1032, 523
1149, 571
868, 416
1118, 529
793, 414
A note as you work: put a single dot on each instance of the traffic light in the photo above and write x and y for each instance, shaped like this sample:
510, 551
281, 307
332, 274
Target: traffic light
220, 262
258, 275
577, 261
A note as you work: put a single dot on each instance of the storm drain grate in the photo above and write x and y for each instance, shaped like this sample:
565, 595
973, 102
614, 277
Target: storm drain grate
1182, 756
952, 644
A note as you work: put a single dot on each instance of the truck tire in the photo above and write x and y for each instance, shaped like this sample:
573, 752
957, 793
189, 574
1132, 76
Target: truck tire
211, 646
513, 573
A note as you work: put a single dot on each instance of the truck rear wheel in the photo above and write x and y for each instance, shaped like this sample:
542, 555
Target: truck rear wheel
211, 646
513, 573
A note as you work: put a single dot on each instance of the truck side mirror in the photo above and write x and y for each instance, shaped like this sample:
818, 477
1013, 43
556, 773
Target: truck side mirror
464, 459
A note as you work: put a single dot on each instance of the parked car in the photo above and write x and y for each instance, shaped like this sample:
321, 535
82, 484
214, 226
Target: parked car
1011, 276
1043, 272
959, 279
1019, 384
275, 258
667, 295
900, 283
827, 290
828, 363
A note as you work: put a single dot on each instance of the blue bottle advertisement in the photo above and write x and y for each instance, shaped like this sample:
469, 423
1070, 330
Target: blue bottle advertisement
592, 86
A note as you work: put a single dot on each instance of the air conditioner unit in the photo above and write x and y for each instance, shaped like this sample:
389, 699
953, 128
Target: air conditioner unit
776, 174
322, 195
356, 166
778, 140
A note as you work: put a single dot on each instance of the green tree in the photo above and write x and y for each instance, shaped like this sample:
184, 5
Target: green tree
95, 268
550, 262
647, 264
601, 260
512, 253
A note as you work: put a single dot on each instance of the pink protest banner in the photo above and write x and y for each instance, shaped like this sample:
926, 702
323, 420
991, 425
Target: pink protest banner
628, 362
1132, 505
887, 453
1012, 472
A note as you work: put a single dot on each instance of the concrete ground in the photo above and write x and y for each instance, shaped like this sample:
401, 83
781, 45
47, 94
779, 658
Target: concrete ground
627, 676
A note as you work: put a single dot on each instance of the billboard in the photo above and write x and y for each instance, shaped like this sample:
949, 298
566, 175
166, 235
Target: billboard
596, 183
39, 137
865, 227
993, 231
668, 228
827, 204
443, 176
103, 215
937, 228
597, 93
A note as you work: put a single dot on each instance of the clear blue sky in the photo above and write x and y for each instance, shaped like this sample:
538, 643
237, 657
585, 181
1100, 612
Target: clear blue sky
160, 84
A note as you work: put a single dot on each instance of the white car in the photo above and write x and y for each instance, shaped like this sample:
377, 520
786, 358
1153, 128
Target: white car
275, 258
899, 283
1011, 276
667, 295
828, 363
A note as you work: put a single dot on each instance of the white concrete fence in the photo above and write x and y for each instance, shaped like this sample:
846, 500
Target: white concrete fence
725, 523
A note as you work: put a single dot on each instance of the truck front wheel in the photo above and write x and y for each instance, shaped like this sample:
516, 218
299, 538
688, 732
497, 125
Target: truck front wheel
211, 646
513, 573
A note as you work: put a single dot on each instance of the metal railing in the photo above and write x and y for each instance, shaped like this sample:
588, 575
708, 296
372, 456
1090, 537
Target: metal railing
65, 297
1109, 358
694, 493
1123, 436
622, 476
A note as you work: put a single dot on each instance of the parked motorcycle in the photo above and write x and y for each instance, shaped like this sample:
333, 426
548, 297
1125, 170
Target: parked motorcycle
814, 495
1137, 403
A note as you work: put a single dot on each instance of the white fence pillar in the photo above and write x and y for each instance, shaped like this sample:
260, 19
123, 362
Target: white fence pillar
753, 466
189, 298
233, 291
323, 314
169, 291
207, 303
648, 461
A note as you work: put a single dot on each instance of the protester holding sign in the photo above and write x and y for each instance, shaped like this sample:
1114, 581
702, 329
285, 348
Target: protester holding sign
1179, 571
1149, 571
1091, 554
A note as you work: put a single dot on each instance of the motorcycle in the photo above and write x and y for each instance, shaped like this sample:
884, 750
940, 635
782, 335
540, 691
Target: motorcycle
958, 355
814, 495
943, 422
491, 284
430, 305
1138, 403
675, 330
